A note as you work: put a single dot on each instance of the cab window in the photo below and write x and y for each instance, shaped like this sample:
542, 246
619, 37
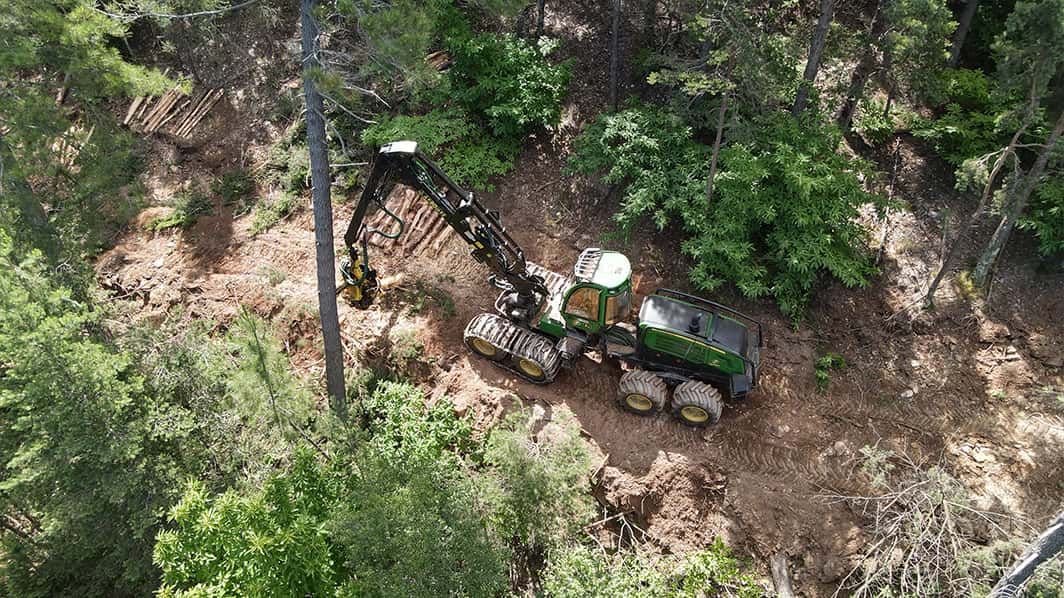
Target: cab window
617, 307
583, 303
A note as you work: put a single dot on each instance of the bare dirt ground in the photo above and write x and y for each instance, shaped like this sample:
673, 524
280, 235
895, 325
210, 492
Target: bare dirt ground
962, 385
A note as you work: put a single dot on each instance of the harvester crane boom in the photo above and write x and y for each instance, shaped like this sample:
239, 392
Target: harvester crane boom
402, 162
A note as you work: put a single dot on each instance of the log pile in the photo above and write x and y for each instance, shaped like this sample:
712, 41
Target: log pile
174, 112
425, 232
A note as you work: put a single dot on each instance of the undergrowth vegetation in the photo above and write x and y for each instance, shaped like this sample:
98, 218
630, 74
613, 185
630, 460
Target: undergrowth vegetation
188, 206
498, 89
784, 212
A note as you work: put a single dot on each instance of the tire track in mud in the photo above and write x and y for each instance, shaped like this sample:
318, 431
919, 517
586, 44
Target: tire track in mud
752, 452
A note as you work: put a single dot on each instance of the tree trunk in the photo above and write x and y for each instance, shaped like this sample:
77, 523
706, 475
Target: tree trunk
857, 83
962, 32
716, 148
951, 253
650, 18
816, 49
1045, 547
863, 71
323, 221
1015, 209
539, 19
615, 58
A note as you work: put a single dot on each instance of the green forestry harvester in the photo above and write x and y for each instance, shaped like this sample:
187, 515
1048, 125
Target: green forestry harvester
545, 320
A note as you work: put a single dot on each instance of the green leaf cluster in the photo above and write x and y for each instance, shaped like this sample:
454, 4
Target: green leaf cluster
784, 211
272, 210
539, 485
410, 506
99, 427
499, 88
580, 571
66, 168
509, 82
971, 121
189, 205
466, 151
1045, 218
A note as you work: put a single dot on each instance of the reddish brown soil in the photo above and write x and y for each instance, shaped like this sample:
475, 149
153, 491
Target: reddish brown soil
960, 385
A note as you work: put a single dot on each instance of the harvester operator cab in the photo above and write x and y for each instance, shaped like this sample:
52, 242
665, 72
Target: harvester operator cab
601, 292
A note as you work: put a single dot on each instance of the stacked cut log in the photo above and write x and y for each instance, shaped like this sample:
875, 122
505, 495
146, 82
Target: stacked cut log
173, 112
424, 231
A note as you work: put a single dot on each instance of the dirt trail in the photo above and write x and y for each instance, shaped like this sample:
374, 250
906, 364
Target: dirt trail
962, 385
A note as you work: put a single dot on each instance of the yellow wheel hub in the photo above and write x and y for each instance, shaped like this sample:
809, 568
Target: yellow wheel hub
694, 414
530, 368
484, 347
639, 402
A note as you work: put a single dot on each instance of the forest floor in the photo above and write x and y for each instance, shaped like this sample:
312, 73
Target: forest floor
967, 385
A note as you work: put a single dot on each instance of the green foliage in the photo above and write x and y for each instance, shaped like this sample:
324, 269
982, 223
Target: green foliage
66, 168
84, 506
580, 571
466, 152
397, 515
189, 205
235, 187
784, 210
271, 543
1045, 217
432, 131
400, 424
425, 292
267, 213
1029, 52
474, 160
917, 41
722, 50
98, 438
540, 486
824, 366
406, 348
969, 124
509, 82
871, 122
263, 388
416, 528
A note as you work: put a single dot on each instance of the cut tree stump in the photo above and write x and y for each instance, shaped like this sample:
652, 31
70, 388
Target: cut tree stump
780, 577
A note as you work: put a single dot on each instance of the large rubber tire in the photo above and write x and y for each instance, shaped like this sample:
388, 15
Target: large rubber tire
696, 404
530, 355
642, 393
485, 349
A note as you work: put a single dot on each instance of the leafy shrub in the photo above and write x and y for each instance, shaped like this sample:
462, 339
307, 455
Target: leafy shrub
1045, 217
784, 209
540, 487
271, 543
188, 207
415, 528
269, 213
509, 82
967, 124
235, 186
466, 152
580, 571
872, 123
395, 514
824, 366
400, 424
474, 160
432, 131
288, 161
